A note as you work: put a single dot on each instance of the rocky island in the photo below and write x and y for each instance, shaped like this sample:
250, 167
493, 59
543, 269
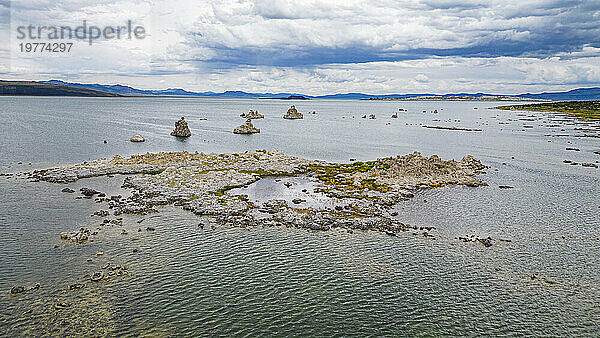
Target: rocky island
292, 114
181, 129
364, 193
246, 128
252, 115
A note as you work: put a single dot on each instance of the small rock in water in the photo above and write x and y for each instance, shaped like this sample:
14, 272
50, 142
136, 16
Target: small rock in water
253, 115
181, 129
68, 190
137, 138
505, 187
76, 236
101, 213
246, 128
76, 286
487, 242
17, 289
88, 192
96, 276
293, 114
61, 305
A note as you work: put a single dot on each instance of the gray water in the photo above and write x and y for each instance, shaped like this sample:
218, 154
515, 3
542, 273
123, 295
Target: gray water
188, 280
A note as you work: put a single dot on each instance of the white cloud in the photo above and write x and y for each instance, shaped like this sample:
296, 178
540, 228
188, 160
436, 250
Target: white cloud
318, 46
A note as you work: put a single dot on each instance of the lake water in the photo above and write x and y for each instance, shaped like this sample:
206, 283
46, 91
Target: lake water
188, 280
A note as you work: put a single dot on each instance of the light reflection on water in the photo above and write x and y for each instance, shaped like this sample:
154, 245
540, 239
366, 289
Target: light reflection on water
198, 281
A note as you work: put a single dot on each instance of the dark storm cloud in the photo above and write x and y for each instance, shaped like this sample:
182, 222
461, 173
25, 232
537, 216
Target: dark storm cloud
280, 34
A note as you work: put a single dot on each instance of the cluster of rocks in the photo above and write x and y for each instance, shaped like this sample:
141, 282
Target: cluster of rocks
109, 271
253, 115
487, 242
21, 289
78, 236
366, 192
246, 128
587, 165
181, 129
412, 171
293, 113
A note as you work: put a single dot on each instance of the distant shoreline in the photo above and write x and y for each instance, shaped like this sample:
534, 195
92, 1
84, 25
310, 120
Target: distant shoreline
583, 109
62, 88
458, 98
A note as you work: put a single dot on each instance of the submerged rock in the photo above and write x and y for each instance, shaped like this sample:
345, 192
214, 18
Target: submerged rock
97, 276
246, 128
253, 115
21, 289
61, 305
292, 113
76, 286
76, 236
137, 138
17, 289
181, 129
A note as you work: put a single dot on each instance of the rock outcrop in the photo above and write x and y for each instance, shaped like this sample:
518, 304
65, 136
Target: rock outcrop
292, 113
181, 129
364, 192
246, 128
253, 115
137, 138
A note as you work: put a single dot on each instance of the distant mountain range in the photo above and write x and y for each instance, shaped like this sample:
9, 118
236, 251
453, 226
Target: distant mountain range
62, 88
30, 88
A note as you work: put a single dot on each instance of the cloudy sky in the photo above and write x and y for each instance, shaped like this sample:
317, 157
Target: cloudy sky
317, 46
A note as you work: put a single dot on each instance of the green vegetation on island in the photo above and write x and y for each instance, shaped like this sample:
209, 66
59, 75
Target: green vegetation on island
583, 109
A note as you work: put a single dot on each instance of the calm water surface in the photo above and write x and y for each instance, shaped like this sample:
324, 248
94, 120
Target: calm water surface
188, 280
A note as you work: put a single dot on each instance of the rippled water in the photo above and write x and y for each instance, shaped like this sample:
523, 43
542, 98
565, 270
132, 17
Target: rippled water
190, 280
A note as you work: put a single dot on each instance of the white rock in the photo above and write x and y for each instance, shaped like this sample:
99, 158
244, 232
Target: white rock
137, 138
